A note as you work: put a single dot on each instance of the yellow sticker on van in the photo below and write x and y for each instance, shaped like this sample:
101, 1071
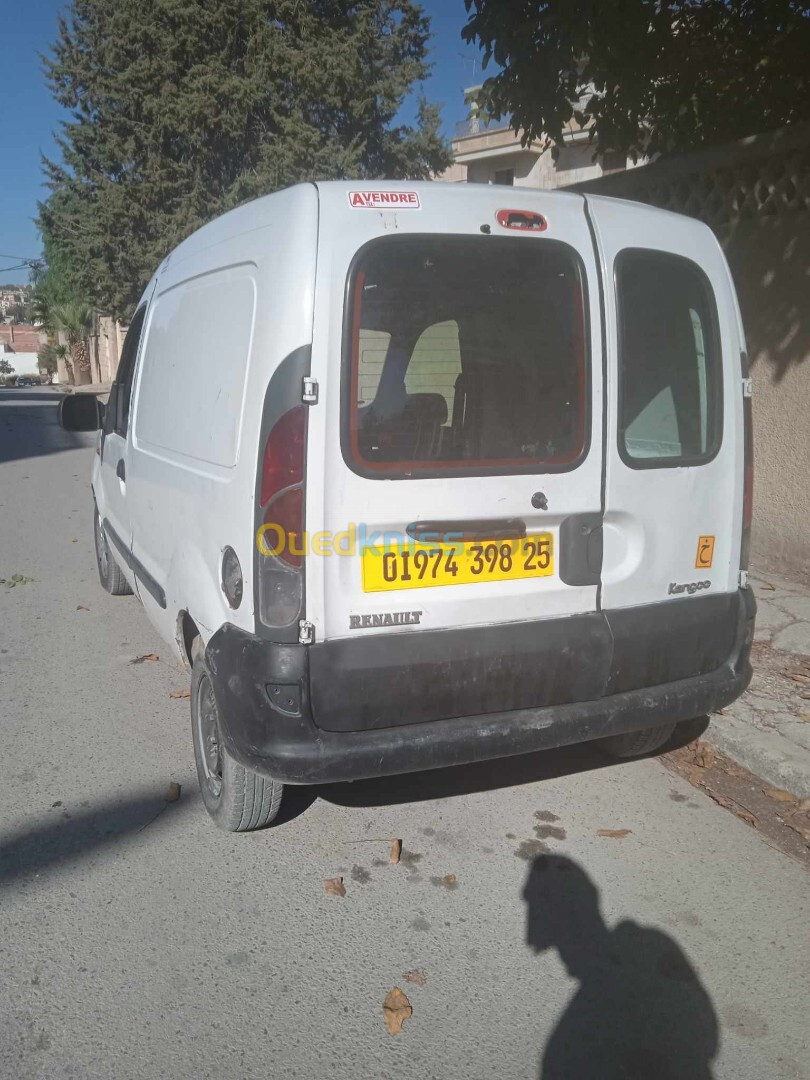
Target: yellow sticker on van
705, 552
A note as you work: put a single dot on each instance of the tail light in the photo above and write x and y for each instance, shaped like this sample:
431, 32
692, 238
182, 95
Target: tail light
281, 559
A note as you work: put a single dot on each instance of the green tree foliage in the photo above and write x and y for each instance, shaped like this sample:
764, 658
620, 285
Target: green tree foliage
182, 109
55, 283
647, 75
47, 358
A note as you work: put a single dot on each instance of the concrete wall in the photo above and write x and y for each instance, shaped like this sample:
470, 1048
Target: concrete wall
770, 261
755, 194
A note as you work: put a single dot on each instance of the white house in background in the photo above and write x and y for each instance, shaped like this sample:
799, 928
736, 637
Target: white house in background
489, 152
24, 363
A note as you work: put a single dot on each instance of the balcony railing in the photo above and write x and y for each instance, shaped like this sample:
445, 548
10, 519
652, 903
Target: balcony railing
477, 125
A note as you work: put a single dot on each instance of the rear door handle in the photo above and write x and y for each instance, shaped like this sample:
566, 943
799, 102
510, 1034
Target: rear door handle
465, 531
121, 471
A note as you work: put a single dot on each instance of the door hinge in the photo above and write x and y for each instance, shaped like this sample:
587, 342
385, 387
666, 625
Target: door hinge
309, 392
748, 387
743, 579
306, 632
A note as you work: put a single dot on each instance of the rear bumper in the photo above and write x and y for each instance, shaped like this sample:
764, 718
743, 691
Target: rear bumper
263, 693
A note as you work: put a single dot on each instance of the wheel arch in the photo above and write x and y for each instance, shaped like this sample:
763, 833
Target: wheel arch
186, 634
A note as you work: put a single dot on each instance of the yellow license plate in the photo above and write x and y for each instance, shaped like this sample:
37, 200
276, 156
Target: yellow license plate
421, 566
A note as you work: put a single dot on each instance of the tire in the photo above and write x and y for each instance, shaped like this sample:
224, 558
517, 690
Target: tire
637, 743
238, 799
109, 572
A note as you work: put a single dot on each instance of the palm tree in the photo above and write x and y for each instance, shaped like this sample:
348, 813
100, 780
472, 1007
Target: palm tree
76, 321
62, 352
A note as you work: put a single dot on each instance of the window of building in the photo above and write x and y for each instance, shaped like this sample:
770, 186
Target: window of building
504, 176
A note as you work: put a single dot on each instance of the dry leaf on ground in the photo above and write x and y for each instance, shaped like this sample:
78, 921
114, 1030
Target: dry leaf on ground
614, 834
146, 656
417, 977
701, 753
396, 1010
396, 852
766, 586
334, 886
779, 794
177, 694
81, 607
173, 791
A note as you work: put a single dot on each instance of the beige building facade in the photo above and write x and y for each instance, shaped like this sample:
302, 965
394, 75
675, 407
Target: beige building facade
487, 152
755, 195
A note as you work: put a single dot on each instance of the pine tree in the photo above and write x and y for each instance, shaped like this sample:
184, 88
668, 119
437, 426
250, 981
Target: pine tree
182, 109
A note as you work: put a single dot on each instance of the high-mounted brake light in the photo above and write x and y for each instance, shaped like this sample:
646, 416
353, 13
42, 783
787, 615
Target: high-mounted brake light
522, 220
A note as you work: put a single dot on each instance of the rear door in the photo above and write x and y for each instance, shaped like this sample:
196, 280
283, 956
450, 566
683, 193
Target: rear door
673, 485
455, 454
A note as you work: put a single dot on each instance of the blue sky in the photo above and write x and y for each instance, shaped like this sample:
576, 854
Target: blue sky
31, 116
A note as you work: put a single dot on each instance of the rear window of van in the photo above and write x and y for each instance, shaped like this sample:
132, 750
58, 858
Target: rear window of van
670, 372
465, 355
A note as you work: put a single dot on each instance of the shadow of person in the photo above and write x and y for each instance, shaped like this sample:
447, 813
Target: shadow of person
640, 1012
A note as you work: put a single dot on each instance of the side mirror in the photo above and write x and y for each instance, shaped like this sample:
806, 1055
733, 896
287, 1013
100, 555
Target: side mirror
81, 412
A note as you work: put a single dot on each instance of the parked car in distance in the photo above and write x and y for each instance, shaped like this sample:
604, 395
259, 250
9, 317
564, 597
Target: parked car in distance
417, 475
26, 380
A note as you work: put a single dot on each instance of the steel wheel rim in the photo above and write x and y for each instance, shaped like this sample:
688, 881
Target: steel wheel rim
101, 548
208, 737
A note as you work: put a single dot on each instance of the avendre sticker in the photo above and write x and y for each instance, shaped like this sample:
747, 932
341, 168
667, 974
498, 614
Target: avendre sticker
385, 200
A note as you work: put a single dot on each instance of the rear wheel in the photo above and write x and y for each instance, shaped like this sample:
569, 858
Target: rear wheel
238, 799
636, 743
109, 572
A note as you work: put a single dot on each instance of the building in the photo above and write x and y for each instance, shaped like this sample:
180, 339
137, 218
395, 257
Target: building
23, 363
489, 152
12, 296
19, 337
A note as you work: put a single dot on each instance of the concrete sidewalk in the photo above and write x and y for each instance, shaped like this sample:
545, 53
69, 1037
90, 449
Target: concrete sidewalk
768, 729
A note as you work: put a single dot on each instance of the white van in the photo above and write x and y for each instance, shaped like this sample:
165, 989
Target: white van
413, 475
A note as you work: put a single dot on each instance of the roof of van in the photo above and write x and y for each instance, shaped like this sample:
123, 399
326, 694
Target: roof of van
260, 213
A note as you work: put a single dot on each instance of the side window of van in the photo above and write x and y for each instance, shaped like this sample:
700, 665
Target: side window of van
121, 396
670, 374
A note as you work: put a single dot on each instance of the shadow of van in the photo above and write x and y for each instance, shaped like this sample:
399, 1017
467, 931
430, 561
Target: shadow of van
467, 779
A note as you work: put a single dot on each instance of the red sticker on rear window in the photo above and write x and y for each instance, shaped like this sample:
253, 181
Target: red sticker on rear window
385, 200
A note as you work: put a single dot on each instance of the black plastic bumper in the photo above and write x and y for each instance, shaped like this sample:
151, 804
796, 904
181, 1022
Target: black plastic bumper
264, 697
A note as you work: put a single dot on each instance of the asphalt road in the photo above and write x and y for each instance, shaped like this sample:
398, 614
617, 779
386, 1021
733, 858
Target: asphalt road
137, 940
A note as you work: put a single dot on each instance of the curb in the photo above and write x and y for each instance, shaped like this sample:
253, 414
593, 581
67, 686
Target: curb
778, 762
